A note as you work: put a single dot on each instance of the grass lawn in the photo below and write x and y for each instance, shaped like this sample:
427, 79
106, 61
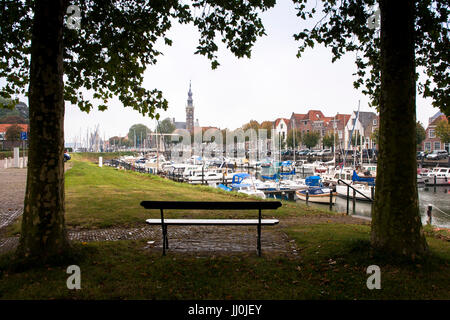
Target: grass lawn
331, 263
106, 197
93, 156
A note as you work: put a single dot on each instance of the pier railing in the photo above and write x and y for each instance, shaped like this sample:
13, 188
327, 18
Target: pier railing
371, 199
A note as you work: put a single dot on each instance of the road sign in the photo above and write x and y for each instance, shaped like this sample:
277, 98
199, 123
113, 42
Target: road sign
23, 136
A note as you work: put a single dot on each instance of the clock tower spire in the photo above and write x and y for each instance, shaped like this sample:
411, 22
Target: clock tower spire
190, 111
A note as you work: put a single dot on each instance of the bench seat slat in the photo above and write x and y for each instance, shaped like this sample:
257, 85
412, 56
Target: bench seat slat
222, 222
211, 205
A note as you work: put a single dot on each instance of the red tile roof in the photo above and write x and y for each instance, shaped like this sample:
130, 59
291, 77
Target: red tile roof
315, 115
437, 119
5, 126
277, 121
298, 116
343, 117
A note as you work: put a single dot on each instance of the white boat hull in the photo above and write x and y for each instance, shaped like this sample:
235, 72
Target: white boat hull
341, 191
322, 198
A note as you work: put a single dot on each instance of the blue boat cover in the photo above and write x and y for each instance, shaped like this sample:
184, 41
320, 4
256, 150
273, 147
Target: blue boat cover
313, 181
288, 173
313, 191
370, 180
238, 177
272, 177
237, 186
224, 187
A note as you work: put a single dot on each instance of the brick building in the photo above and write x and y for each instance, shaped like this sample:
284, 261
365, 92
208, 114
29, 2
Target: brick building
432, 142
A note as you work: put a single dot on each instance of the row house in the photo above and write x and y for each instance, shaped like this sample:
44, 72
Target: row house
432, 142
281, 126
336, 126
363, 124
314, 120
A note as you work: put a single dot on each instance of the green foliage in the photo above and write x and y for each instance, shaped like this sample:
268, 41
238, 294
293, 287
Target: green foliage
268, 126
137, 134
117, 40
443, 131
252, 124
13, 133
290, 138
119, 142
13, 108
375, 135
343, 27
311, 139
166, 126
329, 139
420, 133
12, 119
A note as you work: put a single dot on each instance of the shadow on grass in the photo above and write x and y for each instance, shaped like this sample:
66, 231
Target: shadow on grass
359, 252
76, 254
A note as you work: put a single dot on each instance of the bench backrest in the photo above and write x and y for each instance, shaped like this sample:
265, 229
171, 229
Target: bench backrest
212, 205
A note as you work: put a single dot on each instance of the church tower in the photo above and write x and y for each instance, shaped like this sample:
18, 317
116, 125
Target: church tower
190, 111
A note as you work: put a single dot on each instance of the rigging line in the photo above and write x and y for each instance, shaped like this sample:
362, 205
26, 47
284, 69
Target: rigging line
440, 210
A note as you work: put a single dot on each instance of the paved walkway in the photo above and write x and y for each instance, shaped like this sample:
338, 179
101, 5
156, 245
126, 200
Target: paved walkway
190, 239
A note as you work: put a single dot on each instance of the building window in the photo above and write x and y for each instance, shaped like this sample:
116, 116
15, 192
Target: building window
340, 134
427, 146
437, 145
431, 134
374, 122
281, 126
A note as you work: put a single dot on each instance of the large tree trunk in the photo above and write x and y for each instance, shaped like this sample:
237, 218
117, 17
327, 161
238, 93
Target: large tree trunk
43, 232
396, 223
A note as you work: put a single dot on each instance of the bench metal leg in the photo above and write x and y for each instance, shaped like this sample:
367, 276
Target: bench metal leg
164, 240
164, 232
167, 238
259, 234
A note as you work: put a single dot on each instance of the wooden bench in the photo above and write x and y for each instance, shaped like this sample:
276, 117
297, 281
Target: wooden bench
201, 205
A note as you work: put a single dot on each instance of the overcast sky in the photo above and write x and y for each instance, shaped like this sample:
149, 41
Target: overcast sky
272, 84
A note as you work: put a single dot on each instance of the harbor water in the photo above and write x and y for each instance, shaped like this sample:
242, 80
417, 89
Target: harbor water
438, 197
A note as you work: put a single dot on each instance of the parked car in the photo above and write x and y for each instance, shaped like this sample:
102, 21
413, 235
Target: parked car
314, 153
438, 155
303, 152
369, 153
325, 152
350, 153
421, 155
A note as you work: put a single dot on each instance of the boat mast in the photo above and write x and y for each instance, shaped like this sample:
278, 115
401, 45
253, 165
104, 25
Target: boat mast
351, 136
